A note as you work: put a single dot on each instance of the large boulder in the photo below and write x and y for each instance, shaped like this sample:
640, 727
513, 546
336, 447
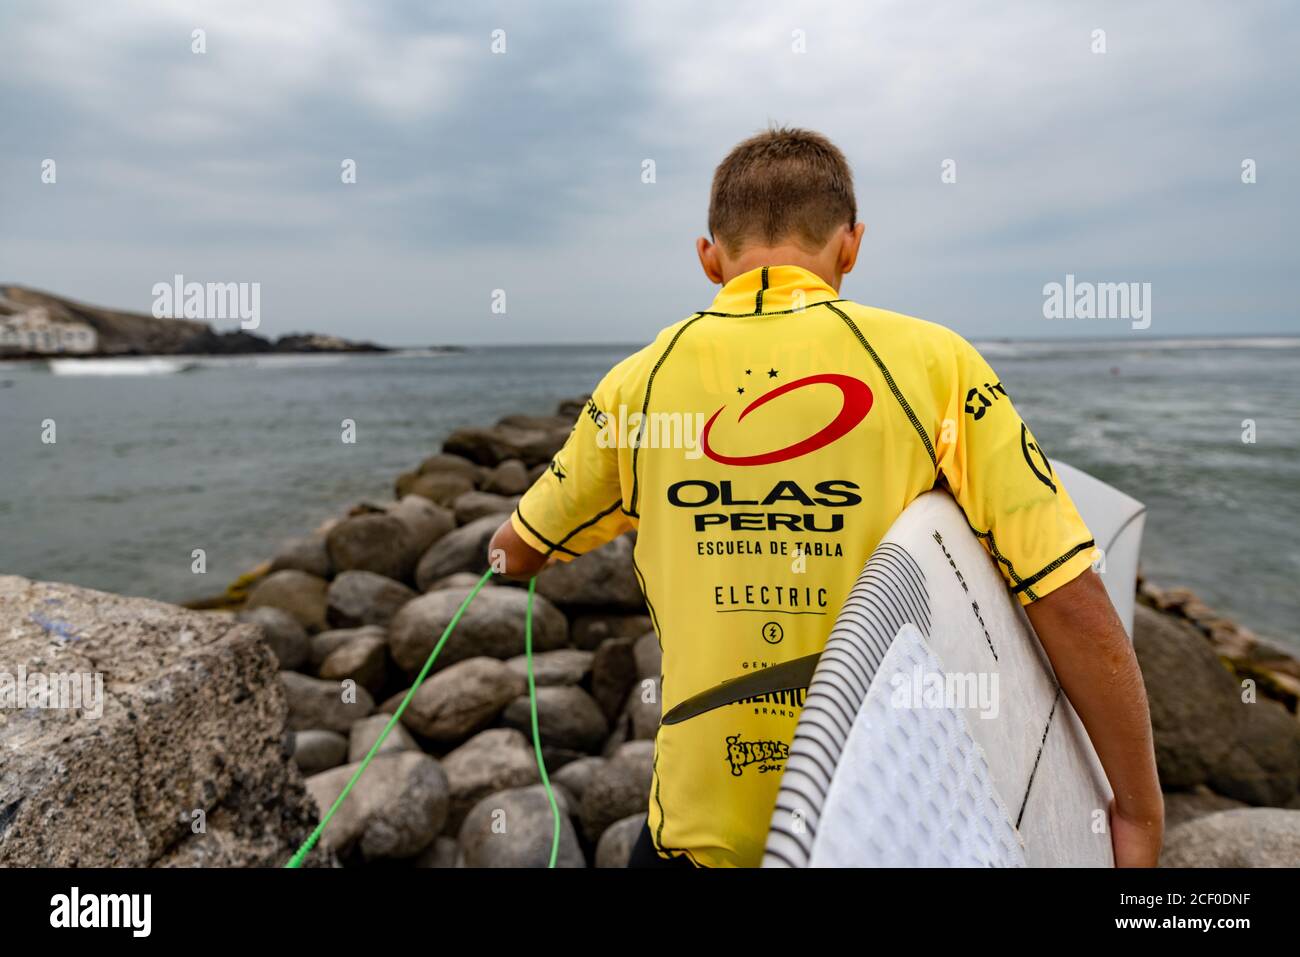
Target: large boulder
618, 789
394, 812
424, 521
333, 705
644, 709
492, 625
365, 598
1263, 764
305, 555
462, 700
492, 760
602, 578
374, 542
590, 630
442, 488
576, 775
508, 478
564, 666
319, 750
613, 674
442, 462
364, 659
300, 594
1195, 705
286, 637
327, 642
532, 440
472, 506
464, 550
567, 718
366, 732
615, 847
1249, 837
182, 719
516, 828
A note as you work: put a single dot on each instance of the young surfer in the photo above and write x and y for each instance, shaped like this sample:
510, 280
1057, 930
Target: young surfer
777, 434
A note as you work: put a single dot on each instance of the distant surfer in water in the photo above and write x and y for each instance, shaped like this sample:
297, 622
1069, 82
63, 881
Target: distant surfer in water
773, 438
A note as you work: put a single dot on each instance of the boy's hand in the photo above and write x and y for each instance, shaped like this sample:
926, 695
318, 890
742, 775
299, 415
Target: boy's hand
515, 556
1136, 843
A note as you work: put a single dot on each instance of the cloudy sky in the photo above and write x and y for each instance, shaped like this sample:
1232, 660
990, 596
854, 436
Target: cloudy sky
522, 170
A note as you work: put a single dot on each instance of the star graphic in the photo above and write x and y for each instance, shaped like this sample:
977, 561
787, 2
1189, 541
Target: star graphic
771, 373
747, 371
740, 391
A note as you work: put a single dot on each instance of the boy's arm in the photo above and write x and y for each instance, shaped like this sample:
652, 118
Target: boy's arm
1096, 667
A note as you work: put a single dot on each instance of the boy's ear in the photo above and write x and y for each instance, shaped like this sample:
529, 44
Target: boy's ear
850, 244
710, 259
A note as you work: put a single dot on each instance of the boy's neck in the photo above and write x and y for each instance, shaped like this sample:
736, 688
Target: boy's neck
755, 257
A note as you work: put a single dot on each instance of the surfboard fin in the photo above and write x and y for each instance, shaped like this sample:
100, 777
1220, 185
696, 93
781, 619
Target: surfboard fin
787, 676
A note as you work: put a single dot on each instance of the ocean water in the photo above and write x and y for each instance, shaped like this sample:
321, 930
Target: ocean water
235, 455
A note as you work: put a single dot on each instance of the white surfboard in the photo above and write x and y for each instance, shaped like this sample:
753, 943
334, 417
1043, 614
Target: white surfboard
934, 732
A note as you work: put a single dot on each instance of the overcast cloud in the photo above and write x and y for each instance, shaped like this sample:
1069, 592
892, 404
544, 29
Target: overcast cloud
479, 171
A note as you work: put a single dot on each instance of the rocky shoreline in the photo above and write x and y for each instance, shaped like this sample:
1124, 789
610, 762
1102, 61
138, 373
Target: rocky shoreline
333, 628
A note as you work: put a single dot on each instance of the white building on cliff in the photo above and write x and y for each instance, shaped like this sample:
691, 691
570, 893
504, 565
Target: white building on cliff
34, 331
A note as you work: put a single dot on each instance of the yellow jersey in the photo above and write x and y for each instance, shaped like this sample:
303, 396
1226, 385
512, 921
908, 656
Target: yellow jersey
762, 448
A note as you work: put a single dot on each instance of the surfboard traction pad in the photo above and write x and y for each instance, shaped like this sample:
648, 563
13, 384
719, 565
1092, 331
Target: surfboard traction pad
882, 785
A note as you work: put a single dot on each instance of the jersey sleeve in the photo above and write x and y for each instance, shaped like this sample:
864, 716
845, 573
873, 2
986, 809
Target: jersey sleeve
1005, 483
577, 503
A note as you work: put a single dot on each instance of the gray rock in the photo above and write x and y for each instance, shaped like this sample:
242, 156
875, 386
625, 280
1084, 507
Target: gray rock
613, 674
372, 542
442, 462
533, 443
567, 718
1195, 704
317, 750
616, 843
424, 521
492, 760
564, 666
365, 598
466, 580
472, 506
1251, 837
300, 594
516, 828
576, 775
305, 555
314, 703
464, 550
394, 812
440, 487
1184, 806
193, 717
590, 630
364, 659
644, 709
601, 578
1263, 765
618, 789
443, 852
287, 638
326, 642
462, 700
649, 656
366, 732
508, 478
492, 625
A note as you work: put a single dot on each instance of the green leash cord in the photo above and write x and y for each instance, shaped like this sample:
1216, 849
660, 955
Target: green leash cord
302, 852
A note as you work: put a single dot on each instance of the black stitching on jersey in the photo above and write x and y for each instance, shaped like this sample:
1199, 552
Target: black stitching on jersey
889, 380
